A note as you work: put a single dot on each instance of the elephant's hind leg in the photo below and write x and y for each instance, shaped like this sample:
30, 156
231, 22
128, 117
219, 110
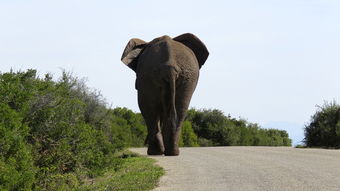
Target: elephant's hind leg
150, 111
155, 139
169, 119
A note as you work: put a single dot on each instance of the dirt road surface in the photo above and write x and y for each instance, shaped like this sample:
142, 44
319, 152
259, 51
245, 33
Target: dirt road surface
250, 169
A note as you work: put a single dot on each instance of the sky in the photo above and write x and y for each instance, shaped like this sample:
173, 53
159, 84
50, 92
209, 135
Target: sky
271, 62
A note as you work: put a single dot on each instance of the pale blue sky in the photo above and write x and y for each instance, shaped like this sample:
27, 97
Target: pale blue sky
270, 62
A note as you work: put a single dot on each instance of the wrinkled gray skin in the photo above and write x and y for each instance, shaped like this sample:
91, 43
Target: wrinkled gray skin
167, 73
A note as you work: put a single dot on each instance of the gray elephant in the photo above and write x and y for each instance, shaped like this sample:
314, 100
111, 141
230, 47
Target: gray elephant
167, 71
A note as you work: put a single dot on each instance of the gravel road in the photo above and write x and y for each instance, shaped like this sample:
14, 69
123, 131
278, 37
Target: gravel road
250, 169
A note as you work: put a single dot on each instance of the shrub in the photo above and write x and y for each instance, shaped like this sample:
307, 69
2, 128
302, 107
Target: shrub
17, 171
188, 137
324, 128
132, 125
202, 142
213, 128
53, 134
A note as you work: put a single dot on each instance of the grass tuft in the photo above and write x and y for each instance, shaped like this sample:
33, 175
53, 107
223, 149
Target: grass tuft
135, 173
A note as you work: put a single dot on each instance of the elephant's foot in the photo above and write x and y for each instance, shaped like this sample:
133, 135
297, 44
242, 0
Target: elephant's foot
154, 151
156, 146
150, 152
171, 152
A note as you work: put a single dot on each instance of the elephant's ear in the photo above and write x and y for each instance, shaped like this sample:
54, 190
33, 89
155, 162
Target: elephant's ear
196, 45
131, 52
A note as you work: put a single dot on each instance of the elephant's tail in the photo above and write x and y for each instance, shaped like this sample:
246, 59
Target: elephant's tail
169, 99
172, 85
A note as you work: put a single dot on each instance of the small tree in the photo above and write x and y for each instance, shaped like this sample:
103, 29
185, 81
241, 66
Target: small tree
324, 128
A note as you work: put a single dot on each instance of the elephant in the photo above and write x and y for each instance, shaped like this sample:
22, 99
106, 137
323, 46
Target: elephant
167, 71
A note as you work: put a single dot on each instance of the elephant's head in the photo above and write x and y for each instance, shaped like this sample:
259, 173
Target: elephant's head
135, 46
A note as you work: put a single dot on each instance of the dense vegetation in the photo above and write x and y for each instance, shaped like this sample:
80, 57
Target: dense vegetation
56, 135
213, 128
324, 128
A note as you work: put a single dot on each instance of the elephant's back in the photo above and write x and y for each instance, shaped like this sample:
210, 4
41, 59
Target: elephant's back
164, 52
186, 60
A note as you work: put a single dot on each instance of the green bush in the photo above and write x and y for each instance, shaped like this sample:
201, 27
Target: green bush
17, 171
213, 128
55, 134
324, 128
132, 125
202, 142
188, 137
